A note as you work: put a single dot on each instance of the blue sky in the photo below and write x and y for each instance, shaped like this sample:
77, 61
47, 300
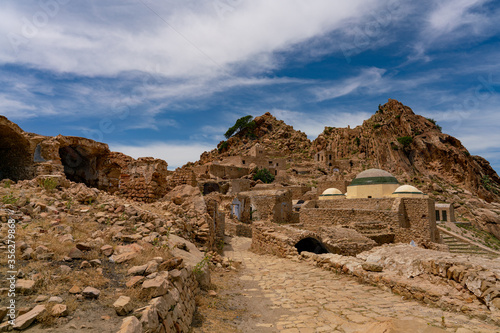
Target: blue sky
167, 78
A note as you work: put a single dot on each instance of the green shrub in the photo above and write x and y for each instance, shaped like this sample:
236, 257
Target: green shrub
244, 123
223, 146
9, 199
435, 123
357, 141
405, 141
49, 184
264, 175
376, 125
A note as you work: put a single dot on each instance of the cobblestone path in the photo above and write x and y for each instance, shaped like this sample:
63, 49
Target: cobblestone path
294, 296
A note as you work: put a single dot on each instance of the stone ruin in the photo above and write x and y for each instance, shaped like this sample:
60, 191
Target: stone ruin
25, 156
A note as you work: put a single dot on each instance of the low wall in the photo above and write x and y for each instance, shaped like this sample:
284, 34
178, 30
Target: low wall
172, 312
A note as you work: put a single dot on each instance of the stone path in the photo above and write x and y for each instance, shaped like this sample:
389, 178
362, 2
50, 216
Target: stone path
295, 297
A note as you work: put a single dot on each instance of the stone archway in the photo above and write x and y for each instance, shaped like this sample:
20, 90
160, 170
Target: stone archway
16, 160
79, 165
310, 244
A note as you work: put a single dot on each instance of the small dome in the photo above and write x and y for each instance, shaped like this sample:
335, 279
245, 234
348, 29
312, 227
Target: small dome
373, 177
407, 189
332, 191
374, 173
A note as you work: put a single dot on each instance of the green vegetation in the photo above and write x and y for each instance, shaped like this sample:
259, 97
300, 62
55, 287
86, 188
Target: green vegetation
264, 175
405, 141
435, 123
398, 116
357, 141
485, 237
199, 267
9, 199
49, 184
223, 146
486, 181
244, 123
376, 125
7, 183
466, 153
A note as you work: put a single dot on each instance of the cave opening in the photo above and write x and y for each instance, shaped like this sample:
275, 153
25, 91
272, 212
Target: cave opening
16, 161
311, 245
79, 165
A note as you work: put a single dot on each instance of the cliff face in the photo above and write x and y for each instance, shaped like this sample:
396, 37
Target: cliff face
412, 147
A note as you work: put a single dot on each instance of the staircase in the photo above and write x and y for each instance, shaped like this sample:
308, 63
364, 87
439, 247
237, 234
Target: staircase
457, 245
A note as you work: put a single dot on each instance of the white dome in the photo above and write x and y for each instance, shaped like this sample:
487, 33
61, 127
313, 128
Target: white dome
407, 189
332, 191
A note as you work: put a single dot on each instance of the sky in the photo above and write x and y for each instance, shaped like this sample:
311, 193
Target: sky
168, 78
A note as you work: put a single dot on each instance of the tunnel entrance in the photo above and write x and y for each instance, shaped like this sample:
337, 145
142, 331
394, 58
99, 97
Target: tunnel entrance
311, 245
15, 158
79, 165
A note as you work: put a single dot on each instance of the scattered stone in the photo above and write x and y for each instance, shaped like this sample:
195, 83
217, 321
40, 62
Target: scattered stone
55, 299
137, 270
212, 293
371, 267
75, 290
134, 280
83, 247
64, 269
24, 321
25, 286
155, 287
75, 253
123, 305
130, 325
85, 264
121, 258
95, 262
59, 310
41, 298
170, 264
91, 292
107, 250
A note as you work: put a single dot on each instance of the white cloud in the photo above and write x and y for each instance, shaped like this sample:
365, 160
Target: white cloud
176, 155
183, 39
451, 14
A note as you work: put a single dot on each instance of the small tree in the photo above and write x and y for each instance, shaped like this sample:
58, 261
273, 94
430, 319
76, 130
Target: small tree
405, 141
263, 174
241, 124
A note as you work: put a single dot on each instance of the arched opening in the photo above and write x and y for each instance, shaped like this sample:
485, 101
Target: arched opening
79, 165
15, 159
311, 245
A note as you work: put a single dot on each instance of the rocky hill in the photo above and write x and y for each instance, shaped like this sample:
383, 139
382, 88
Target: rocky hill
276, 137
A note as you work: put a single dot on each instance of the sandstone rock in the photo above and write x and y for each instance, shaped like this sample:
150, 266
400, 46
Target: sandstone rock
24, 321
25, 286
121, 258
41, 298
155, 287
137, 270
85, 264
123, 305
3, 313
107, 250
55, 299
64, 269
75, 253
170, 264
66, 238
59, 310
90, 292
130, 325
371, 267
152, 267
83, 247
95, 262
133, 281
75, 290
149, 319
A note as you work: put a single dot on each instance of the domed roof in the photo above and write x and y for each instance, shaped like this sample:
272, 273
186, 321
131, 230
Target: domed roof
407, 189
332, 191
373, 177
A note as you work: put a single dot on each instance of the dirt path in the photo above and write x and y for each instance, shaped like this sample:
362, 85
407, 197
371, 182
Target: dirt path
270, 294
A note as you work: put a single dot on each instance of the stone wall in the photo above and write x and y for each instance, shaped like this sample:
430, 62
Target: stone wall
406, 219
145, 179
182, 177
221, 171
338, 184
274, 205
171, 312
